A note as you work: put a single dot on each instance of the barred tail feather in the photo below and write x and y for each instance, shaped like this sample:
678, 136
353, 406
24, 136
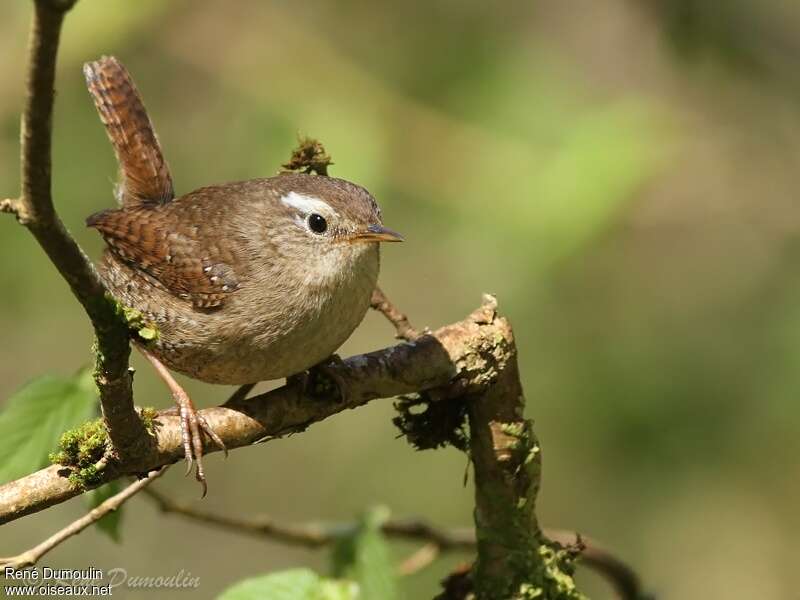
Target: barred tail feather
144, 174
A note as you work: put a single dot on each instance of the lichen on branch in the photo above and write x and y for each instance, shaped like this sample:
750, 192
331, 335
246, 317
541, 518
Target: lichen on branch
437, 360
428, 422
309, 157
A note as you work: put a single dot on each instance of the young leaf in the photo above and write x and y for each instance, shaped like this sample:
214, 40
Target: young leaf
363, 556
34, 417
109, 524
296, 584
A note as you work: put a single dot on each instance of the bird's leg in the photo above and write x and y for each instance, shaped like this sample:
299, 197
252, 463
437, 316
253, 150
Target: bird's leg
193, 424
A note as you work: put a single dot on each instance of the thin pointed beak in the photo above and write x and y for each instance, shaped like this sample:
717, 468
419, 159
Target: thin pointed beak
377, 233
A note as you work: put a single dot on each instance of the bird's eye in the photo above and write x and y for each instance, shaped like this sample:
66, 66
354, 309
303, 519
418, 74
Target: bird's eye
317, 223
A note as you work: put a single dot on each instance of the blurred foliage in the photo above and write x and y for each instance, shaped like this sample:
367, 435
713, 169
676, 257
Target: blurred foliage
110, 523
363, 556
32, 420
621, 174
297, 584
362, 569
755, 38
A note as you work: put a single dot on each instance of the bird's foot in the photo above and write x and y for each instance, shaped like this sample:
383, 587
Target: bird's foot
323, 381
193, 424
193, 427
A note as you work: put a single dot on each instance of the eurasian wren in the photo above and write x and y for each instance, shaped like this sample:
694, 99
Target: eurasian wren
245, 281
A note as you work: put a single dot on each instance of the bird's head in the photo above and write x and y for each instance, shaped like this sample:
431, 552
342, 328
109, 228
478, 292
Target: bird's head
325, 225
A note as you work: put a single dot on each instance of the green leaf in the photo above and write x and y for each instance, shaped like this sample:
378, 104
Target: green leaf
34, 417
296, 584
109, 524
363, 556
332, 589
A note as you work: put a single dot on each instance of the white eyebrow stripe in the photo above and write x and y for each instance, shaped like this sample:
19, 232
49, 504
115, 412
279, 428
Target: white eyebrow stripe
307, 204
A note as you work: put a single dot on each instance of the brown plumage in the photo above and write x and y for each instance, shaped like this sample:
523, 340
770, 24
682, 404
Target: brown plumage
145, 177
155, 241
245, 281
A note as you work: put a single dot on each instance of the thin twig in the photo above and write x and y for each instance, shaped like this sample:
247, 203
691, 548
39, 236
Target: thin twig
36, 195
445, 539
620, 575
400, 321
314, 535
11, 206
309, 535
422, 558
35, 210
32, 556
436, 540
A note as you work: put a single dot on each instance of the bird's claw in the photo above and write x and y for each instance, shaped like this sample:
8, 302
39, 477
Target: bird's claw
193, 424
193, 427
317, 382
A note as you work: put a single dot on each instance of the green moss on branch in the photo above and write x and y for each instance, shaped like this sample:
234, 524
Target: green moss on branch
82, 450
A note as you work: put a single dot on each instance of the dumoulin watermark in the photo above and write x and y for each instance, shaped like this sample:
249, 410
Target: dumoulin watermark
181, 580
88, 582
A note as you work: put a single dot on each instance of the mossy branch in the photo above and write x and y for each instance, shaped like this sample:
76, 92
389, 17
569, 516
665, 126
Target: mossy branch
455, 359
515, 559
35, 210
472, 362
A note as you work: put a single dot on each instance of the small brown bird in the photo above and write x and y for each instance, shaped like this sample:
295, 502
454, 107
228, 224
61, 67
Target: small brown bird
245, 281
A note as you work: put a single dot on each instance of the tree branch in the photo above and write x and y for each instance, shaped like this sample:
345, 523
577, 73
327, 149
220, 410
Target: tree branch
457, 357
32, 556
314, 535
618, 573
35, 210
507, 462
473, 361
400, 321
463, 358
420, 559
436, 540
10, 206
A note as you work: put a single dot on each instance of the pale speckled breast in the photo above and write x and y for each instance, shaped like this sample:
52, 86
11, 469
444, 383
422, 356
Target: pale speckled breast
266, 330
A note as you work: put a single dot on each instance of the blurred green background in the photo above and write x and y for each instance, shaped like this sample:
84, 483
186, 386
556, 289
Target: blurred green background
622, 174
